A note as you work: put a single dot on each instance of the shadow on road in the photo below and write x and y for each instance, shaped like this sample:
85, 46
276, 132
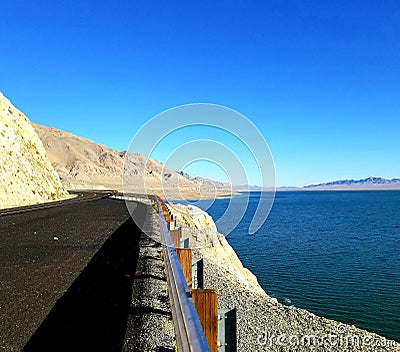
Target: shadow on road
92, 314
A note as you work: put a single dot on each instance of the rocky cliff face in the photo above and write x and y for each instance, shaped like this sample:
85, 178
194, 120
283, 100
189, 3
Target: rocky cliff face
27, 176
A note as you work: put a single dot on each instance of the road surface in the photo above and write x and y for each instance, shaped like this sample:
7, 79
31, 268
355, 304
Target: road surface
66, 276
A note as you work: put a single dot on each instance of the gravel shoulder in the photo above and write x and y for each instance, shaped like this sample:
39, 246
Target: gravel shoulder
150, 325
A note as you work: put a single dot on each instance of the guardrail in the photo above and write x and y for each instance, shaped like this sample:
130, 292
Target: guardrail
188, 329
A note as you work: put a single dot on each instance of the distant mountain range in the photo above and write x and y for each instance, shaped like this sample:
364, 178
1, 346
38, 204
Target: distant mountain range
206, 181
370, 182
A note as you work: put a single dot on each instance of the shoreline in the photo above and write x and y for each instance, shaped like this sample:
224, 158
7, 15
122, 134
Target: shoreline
284, 190
261, 319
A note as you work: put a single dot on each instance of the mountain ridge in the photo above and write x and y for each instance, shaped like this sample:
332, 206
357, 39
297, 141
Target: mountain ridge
364, 182
83, 164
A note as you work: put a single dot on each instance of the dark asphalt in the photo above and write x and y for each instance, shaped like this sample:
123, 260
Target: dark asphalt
66, 276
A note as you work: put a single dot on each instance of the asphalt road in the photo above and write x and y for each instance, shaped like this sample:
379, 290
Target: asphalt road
66, 276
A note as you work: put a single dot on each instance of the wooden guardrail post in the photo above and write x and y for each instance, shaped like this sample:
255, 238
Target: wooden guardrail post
185, 259
206, 303
176, 237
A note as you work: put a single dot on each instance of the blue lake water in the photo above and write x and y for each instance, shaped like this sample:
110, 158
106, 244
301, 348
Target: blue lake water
336, 254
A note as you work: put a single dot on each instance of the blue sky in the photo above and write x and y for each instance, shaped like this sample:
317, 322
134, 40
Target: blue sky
320, 79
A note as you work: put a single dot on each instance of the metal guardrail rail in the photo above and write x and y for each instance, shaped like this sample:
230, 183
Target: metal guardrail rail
188, 330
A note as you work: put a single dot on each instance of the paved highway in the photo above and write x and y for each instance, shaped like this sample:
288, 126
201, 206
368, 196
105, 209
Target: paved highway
66, 276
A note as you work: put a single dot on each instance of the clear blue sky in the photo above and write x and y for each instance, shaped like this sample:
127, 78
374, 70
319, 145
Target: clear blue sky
320, 79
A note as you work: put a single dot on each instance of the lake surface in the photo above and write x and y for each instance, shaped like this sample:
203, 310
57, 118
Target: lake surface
336, 254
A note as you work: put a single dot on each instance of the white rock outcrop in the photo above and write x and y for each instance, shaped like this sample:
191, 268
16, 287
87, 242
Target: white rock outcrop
207, 242
27, 176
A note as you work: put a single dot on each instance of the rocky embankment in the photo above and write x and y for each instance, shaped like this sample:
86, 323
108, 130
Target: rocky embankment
263, 324
27, 176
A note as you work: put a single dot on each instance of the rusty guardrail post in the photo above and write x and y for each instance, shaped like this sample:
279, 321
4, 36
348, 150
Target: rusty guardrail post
185, 258
206, 303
